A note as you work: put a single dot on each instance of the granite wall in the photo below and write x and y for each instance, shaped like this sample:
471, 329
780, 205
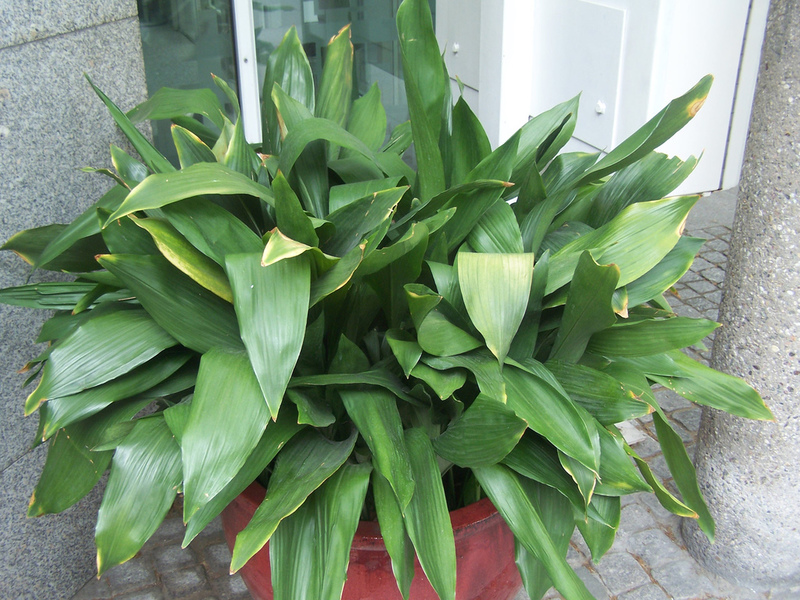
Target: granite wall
51, 125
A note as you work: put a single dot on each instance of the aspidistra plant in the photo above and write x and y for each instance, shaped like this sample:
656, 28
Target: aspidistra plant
317, 314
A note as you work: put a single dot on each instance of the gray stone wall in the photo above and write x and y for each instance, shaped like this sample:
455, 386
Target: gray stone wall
51, 125
748, 470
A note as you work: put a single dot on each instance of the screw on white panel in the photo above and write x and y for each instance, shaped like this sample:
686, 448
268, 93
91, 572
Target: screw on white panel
456, 47
600, 107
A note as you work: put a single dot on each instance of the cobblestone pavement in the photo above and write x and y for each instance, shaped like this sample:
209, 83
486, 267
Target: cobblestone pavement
647, 562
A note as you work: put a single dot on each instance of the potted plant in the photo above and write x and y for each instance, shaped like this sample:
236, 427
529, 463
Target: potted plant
367, 340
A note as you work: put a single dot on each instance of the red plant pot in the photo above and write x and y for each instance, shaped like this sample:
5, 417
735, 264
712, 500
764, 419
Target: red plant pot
484, 552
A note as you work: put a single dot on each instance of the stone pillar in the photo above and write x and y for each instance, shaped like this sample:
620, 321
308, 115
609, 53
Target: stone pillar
749, 471
51, 125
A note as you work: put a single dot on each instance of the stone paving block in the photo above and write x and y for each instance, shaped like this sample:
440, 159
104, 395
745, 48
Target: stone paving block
715, 257
700, 264
700, 303
231, 587
655, 548
683, 579
171, 558
669, 400
647, 592
185, 582
647, 447
702, 286
718, 244
135, 574
689, 418
95, 589
593, 584
634, 518
217, 559
621, 572
149, 594
171, 531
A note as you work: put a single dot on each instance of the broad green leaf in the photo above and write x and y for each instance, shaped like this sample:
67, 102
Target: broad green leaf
437, 323
183, 255
588, 308
368, 120
167, 103
375, 377
497, 231
152, 157
336, 85
511, 501
227, 419
666, 273
304, 464
683, 472
72, 469
288, 68
599, 537
584, 478
708, 387
524, 344
192, 315
206, 134
650, 178
486, 432
319, 535
271, 306
664, 496
229, 93
81, 228
312, 409
100, 350
399, 139
342, 195
635, 240
551, 414
291, 219
190, 148
443, 383
534, 458
651, 336
280, 247
30, 245
337, 276
374, 412
124, 237
130, 170
416, 236
202, 178
484, 367
310, 173
469, 143
496, 288
652, 134
52, 295
556, 515
427, 519
274, 438
472, 206
393, 531
604, 397
405, 349
426, 85
356, 220
65, 410
543, 136
145, 475
212, 229
239, 156
309, 130
617, 473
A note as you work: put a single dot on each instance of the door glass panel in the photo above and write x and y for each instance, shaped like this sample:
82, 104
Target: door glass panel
374, 35
183, 42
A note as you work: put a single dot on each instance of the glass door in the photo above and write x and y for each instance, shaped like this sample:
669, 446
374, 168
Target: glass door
183, 42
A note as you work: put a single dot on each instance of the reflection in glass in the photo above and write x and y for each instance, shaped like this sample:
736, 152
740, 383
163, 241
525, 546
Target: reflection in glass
183, 42
374, 35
